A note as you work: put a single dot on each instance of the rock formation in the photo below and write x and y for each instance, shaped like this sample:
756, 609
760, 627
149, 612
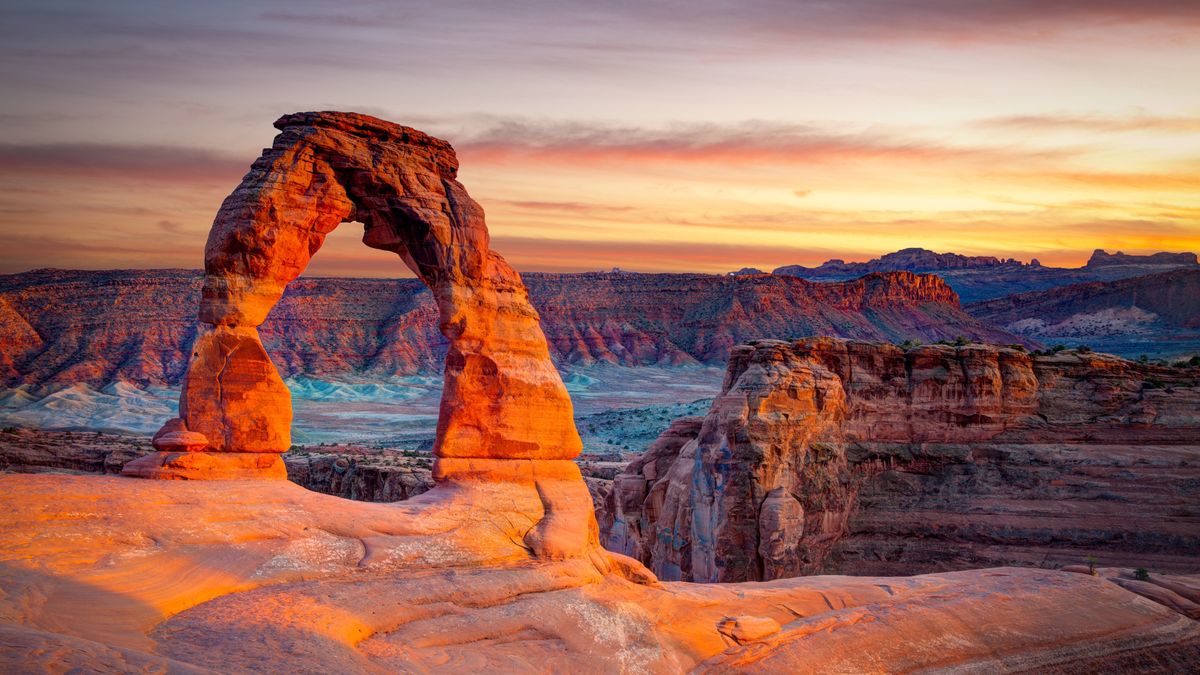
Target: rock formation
910, 259
502, 398
827, 455
1102, 258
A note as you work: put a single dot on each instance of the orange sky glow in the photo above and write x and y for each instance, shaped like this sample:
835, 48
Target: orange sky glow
796, 133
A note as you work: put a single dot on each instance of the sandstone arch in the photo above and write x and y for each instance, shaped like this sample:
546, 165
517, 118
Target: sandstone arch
502, 397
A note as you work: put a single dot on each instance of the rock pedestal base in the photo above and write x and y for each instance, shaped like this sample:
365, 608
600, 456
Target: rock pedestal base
208, 466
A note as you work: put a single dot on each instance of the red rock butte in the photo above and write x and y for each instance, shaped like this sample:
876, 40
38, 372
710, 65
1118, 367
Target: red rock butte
502, 397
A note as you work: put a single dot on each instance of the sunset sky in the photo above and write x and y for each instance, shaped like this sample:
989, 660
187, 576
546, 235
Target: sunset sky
655, 136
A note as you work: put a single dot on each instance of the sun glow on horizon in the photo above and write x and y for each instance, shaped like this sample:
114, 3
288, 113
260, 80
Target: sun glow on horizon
795, 133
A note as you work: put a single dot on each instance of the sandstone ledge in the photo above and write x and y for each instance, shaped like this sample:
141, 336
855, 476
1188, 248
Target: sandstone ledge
110, 573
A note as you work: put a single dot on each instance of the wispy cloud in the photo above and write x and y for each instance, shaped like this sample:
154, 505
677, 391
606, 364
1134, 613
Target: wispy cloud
566, 207
1097, 123
110, 162
751, 141
721, 21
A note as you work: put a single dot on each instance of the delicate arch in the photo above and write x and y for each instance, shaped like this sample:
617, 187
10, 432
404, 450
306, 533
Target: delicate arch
502, 397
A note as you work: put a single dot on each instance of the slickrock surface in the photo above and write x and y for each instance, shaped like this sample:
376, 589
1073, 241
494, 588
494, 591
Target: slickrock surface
110, 573
138, 326
828, 455
1180, 593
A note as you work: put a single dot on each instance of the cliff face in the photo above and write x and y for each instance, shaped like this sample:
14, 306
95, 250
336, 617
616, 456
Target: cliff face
66, 327
1151, 314
829, 455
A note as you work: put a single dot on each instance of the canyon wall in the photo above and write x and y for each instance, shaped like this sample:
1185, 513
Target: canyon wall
827, 455
138, 325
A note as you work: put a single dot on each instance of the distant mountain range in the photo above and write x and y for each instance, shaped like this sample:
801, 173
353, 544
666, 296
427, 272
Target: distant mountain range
1155, 314
64, 327
977, 278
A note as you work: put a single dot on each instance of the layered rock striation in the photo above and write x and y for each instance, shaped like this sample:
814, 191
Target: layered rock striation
828, 455
138, 326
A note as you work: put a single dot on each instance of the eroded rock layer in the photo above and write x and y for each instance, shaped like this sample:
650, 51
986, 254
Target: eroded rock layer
862, 458
138, 326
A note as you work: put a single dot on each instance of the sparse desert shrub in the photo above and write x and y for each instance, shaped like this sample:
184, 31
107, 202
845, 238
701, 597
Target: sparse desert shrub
1083, 349
1153, 383
1143, 359
9, 430
1019, 348
1057, 348
1091, 563
1141, 574
961, 341
909, 344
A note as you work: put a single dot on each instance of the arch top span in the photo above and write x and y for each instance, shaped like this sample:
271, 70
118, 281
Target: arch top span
502, 397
